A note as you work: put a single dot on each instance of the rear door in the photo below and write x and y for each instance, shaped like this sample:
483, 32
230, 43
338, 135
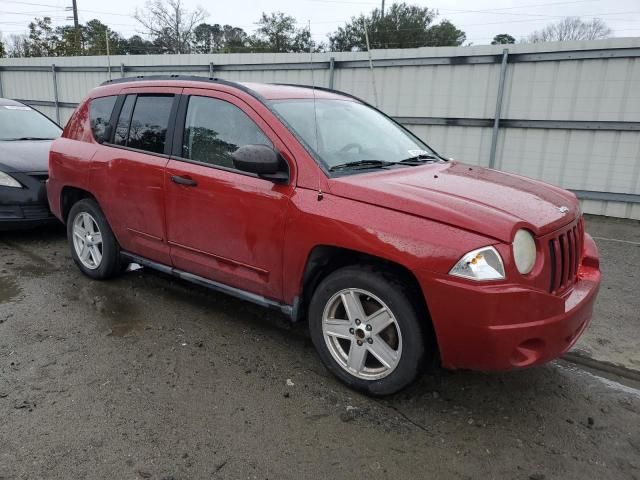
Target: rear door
224, 224
129, 169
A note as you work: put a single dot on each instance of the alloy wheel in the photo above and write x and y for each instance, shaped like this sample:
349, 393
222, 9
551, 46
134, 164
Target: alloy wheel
87, 240
362, 334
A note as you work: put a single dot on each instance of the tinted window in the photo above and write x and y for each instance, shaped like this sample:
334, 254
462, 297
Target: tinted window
149, 123
214, 129
100, 114
122, 127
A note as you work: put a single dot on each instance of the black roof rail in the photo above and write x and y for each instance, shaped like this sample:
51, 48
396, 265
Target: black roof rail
187, 78
323, 89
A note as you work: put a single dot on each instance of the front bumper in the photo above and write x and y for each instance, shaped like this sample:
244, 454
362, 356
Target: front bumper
501, 327
25, 207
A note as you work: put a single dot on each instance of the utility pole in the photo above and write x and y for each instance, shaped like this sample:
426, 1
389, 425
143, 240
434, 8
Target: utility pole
373, 76
383, 8
106, 37
76, 25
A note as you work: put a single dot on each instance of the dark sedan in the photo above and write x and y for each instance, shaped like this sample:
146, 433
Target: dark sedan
25, 137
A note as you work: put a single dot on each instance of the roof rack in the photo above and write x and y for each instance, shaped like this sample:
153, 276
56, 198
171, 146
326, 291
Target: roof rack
141, 78
188, 78
322, 89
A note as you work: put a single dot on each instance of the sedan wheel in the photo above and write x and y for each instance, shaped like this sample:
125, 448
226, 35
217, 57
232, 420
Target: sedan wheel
87, 240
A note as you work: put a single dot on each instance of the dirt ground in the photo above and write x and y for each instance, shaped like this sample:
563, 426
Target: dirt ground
149, 377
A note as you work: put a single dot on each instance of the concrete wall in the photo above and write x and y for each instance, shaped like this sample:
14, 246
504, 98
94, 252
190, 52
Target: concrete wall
570, 111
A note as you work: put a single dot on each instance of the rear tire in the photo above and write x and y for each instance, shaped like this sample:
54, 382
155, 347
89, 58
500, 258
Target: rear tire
367, 330
94, 248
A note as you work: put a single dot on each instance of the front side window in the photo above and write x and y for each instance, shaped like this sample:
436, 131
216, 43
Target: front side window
214, 129
148, 124
344, 131
20, 122
100, 114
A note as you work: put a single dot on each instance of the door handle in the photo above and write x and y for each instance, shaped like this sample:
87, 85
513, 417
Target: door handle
186, 181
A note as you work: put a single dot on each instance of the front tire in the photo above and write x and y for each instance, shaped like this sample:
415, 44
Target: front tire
94, 248
367, 331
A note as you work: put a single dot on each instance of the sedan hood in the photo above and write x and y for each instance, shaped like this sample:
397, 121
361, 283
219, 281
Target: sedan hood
481, 200
24, 155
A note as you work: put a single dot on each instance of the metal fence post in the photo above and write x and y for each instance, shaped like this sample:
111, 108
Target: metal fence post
122, 70
210, 69
55, 91
332, 62
496, 118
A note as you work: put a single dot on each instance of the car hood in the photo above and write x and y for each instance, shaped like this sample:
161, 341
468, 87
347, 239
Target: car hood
481, 200
24, 155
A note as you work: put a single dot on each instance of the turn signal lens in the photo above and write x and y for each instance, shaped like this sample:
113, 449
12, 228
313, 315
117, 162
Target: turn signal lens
482, 264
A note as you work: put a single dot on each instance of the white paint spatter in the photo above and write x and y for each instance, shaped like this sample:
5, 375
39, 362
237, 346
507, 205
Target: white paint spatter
609, 383
617, 240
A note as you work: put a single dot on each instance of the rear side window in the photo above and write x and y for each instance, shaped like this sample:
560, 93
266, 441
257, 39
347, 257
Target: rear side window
122, 127
147, 127
214, 129
100, 114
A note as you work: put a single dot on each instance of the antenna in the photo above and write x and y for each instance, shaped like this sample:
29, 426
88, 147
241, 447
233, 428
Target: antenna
373, 77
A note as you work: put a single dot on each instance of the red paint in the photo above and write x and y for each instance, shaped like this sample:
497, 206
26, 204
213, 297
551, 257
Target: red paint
255, 235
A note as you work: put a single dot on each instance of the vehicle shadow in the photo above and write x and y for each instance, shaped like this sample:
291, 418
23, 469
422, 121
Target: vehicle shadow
462, 398
44, 233
518, 401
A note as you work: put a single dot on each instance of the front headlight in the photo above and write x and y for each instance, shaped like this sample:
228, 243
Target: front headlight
482, 264
7, 180
524, 251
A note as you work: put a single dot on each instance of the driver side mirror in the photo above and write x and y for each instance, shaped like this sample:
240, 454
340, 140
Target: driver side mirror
262, 160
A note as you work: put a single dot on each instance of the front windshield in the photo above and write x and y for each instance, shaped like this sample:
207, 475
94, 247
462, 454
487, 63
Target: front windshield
348, 131
21, 122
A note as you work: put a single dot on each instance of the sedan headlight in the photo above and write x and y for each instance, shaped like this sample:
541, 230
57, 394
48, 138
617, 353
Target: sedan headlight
7, 180
482, 264
524, 251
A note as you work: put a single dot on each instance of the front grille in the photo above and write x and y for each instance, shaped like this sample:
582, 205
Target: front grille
565, 250
41, 177
35, 212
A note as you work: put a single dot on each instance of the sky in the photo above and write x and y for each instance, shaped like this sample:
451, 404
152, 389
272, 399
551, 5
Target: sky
479, 19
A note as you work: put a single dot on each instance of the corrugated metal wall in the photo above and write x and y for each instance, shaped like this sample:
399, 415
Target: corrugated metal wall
584, 97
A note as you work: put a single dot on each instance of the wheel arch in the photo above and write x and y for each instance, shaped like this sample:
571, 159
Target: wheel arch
325, 259
69, 196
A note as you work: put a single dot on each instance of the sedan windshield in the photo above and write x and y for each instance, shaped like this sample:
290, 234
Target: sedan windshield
344, 133
19, 122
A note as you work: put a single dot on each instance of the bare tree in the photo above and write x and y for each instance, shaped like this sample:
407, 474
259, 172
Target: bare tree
571, 28
17, 46
170, 24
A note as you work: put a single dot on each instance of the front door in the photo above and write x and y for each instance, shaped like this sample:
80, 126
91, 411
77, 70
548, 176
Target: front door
224, 224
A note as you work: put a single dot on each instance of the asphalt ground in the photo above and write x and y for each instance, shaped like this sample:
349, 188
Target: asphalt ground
146, 376
614, 333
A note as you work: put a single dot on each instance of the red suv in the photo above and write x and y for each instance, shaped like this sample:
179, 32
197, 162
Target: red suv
314, 203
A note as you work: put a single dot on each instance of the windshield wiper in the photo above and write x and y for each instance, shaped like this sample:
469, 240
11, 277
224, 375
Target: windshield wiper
361, 164
26, 138
419, 159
